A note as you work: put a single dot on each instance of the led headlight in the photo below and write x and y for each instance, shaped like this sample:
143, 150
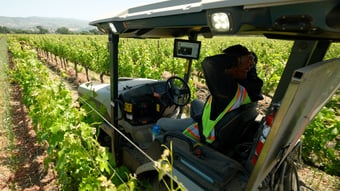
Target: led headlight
113, 28
220, 22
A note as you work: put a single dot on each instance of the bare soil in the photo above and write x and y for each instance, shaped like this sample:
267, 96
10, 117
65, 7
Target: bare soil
21, 159
21, 155
25, 169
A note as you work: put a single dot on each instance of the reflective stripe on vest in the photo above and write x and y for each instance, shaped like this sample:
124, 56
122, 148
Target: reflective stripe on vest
241, 97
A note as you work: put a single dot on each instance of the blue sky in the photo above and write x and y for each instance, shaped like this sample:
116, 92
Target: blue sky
78, 9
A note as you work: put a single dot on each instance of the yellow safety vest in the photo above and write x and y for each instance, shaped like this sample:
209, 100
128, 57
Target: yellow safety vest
241, 97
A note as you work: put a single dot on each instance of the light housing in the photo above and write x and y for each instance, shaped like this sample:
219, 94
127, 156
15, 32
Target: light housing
220, 22
113, 28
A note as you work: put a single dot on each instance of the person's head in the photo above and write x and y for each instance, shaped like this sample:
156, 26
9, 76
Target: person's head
240, 61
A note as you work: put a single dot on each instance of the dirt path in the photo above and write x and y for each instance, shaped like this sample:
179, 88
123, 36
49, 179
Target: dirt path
26, 164
21, 156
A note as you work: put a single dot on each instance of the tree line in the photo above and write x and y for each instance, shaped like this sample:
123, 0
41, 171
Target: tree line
42, 30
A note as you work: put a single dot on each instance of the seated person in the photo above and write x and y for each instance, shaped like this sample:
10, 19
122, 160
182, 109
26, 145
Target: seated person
224, 73
252, 83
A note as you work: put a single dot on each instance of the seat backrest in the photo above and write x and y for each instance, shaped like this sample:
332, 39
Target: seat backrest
229, 131
221, 86
214, 74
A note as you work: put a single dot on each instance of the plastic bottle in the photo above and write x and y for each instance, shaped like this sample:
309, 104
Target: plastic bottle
156, 130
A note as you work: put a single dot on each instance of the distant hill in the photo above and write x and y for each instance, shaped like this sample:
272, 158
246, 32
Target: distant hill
30, 23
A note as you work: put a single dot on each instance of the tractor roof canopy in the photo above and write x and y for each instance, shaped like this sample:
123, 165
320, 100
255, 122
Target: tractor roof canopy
287, 19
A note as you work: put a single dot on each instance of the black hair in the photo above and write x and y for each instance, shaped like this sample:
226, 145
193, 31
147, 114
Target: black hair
234, 53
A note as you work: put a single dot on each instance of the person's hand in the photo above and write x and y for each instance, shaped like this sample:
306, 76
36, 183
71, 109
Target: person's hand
252, 73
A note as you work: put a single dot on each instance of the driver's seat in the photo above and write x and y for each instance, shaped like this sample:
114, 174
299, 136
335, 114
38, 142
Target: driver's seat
235, 126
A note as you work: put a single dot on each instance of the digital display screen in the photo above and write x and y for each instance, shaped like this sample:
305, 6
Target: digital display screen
187, 49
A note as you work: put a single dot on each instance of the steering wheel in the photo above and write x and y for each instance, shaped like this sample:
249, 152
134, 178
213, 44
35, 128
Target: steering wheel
178, 91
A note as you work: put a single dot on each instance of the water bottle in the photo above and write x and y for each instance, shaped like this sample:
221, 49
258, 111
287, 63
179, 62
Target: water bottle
156, 130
